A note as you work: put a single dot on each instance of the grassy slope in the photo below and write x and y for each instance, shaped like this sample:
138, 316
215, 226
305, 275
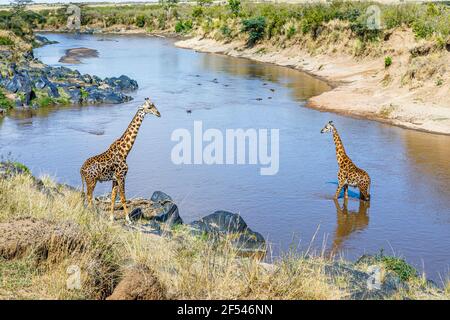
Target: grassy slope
188, 267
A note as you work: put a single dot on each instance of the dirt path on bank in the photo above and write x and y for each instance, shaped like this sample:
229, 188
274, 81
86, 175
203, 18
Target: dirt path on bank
363, 87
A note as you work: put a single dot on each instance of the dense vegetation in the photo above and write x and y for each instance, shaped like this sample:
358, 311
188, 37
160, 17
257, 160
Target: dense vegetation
314, 26
264, 21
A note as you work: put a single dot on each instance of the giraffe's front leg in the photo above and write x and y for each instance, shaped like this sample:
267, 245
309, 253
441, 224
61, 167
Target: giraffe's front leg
113, 199
123, 200
341, 184
338, 190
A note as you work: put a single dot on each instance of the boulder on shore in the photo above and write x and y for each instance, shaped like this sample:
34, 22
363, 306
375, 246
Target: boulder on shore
31, 81
224, 223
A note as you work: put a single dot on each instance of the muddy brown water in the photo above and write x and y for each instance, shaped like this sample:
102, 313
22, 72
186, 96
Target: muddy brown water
409, 214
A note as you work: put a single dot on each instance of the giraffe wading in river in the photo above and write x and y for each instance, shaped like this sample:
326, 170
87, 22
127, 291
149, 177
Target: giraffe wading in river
111, 165
349, 174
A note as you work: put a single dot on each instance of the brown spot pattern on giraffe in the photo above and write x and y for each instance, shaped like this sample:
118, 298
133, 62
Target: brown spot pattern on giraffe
349, 174
111, 165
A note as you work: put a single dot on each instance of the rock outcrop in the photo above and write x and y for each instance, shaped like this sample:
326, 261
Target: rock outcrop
232, 225
35, 84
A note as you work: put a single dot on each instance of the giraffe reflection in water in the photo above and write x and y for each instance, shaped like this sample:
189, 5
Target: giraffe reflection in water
349, 221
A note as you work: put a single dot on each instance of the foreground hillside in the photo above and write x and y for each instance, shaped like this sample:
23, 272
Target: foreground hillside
48, 237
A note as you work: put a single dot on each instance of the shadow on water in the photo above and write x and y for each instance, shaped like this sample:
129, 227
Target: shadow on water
348, 222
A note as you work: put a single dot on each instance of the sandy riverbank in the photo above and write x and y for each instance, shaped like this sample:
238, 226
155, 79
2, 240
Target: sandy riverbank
362, 87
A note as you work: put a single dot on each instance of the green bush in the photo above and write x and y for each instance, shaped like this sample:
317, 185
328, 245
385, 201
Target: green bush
179, 27
255, 27
197, 12
422, 29
387, 61
84, 94
6, 41
5, 103
44, 101
235, 7
291, 32
140, 21
183, 26
404, 271
225, 31
313, 18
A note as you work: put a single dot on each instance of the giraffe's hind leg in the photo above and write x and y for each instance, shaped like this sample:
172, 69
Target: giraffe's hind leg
123, 200
113, 199
90, 186
364, 193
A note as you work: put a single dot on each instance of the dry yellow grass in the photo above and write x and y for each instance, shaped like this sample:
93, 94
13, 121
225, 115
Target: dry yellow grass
188, 267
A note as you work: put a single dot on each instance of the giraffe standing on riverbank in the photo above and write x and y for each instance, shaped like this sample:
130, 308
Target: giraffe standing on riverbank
349, 174
111, 165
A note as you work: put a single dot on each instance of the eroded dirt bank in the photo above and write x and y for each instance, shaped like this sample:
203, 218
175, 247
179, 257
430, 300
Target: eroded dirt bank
413, 92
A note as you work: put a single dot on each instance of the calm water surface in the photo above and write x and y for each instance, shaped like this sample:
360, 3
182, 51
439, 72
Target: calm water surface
409, 214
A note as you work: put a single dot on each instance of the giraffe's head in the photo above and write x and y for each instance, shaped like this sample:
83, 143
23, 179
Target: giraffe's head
329, 127
149, 107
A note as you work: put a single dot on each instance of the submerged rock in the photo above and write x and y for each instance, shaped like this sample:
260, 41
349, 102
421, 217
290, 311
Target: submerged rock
74, 55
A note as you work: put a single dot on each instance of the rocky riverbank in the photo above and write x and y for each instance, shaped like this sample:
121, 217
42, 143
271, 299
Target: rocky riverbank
26, 82
44, 226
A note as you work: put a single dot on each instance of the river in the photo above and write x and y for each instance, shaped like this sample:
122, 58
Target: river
409, 213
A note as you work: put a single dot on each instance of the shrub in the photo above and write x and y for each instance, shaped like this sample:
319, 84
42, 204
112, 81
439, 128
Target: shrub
313, 17
291, 32
404, 271
185, 26
84, 94
235, 7
5, 103
422, 29
225, 31
197, 12
44, 101
387, 61
140, 21
6, 41
179, 27
255, 28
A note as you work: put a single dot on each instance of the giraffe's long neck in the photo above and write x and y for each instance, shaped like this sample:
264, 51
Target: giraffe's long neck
129, 136
341, 156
